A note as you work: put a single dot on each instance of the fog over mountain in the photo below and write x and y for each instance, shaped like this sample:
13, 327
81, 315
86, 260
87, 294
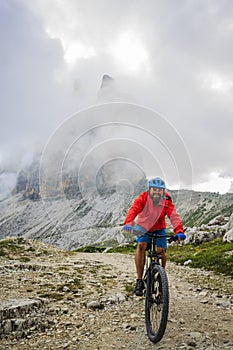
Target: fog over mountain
168, 81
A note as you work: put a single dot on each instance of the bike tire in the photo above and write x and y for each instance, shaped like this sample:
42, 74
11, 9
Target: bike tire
156, 303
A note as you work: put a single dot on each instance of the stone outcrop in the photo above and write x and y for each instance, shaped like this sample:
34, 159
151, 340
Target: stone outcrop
20, 317
216, 228
228, 237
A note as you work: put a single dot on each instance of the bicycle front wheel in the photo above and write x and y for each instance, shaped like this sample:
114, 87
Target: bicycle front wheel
156, 303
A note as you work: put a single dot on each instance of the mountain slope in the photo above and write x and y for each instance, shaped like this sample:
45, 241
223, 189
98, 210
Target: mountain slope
197, 208
61, 211
71, 223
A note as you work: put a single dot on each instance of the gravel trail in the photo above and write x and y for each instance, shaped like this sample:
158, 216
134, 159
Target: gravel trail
89, 303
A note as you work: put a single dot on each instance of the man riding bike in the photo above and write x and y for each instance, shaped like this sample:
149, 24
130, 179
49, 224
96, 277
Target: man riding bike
151, 208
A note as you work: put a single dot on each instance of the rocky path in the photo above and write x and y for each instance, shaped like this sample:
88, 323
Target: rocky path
88, 303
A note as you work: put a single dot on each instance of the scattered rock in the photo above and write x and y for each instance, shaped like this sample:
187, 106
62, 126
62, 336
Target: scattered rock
95, 312
95, 305
187, 262
228, 237
22, 314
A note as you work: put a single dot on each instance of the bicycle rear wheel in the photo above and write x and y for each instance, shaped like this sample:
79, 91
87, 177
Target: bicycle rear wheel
156, 303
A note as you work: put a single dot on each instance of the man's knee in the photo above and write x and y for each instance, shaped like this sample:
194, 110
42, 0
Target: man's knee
141, 247
161, 250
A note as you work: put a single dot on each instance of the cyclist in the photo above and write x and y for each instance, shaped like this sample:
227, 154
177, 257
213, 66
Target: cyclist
151, 208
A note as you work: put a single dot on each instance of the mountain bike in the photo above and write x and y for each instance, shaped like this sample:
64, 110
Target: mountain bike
156, 291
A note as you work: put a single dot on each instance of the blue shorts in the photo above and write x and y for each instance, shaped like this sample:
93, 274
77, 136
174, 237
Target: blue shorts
143, 237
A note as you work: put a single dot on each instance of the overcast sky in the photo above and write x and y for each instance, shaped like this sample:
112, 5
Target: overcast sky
174, 57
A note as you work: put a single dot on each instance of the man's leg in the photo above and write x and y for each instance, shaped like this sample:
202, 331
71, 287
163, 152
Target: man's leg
140, 258
162, 252
161, 244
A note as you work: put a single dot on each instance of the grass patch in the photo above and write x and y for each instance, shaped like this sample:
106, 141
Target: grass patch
55, 296
30, 249
109, 245
24, 259
7, 243
129, 288
107, 277
77, 283
73, 286
8, 246
2, 253
124, 249
18, 248
79, 271
62, 268
90, 249
212, 256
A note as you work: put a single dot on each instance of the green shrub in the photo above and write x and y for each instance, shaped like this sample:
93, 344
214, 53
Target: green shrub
90, 249
24, 259
124, 249
129, 288
209, 255
53, 295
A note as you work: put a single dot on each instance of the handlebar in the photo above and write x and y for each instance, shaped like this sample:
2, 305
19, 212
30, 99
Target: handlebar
171, 238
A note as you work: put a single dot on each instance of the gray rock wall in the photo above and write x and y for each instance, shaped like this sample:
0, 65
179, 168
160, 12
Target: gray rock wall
20, 317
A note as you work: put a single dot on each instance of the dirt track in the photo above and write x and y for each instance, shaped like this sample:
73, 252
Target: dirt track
200, 310
200, 305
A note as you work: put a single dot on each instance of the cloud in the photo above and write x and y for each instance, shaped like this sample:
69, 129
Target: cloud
30, 63
55, 54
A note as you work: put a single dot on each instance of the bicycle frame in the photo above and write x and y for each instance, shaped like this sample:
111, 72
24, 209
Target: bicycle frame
153, 258
156, 292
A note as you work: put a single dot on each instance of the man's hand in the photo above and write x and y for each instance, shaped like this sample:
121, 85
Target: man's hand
129, 237
128, 228
181, 236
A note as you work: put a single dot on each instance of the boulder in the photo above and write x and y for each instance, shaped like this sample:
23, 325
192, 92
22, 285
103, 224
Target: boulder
230, 223
228, 237
218, 220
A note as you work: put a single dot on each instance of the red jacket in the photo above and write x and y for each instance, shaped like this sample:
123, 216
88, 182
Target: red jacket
152, 217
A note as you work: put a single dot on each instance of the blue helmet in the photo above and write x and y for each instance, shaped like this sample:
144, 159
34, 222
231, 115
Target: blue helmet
157, 182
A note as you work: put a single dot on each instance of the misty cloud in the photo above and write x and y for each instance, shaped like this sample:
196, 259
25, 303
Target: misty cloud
54, 55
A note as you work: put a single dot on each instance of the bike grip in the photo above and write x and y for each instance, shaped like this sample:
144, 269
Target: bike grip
128, 228
172, 239
181, 236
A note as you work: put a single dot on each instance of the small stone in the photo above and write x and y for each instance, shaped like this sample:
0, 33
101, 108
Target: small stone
125, 325
172, 320
7, 326
195, 335
65, 346
134, 316
203, 293
106, 330
192, 343
187, 262
95, 305
64, 310
117, 298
